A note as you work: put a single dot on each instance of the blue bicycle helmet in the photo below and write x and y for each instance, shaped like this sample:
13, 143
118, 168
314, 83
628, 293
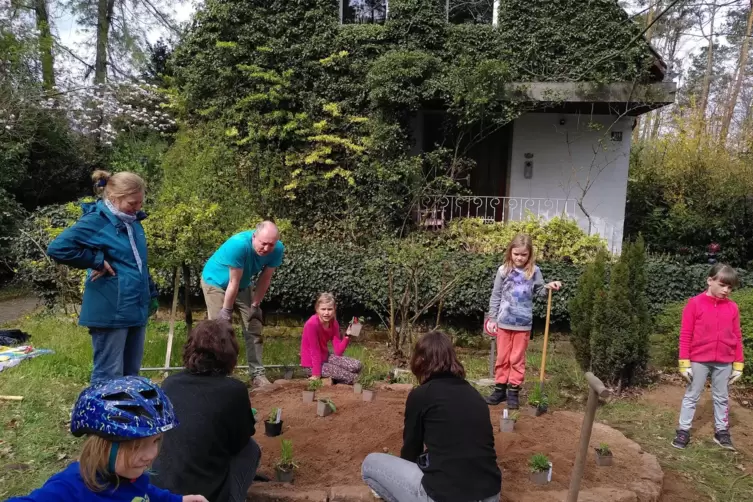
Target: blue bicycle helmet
123, 409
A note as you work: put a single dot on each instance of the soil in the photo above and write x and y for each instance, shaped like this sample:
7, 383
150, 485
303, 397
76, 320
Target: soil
329, 450
740, 417
10, 310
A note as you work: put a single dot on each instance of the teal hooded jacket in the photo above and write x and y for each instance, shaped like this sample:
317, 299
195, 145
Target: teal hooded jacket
112, 301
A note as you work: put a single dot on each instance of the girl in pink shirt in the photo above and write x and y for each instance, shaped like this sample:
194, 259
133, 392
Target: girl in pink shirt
321, 328
711, 345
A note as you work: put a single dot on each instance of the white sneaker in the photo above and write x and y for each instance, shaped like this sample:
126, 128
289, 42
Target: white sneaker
261, 381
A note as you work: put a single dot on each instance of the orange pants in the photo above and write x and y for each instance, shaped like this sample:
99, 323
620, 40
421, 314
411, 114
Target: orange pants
510, 367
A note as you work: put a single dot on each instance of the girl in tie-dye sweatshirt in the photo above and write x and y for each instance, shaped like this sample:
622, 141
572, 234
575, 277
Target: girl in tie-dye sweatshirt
517, 282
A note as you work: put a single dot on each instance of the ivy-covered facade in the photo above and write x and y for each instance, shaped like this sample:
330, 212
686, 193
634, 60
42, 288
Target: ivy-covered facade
363, 114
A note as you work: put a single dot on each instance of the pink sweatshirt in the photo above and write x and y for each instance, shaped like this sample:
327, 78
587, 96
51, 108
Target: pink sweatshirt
314, 351
710, 331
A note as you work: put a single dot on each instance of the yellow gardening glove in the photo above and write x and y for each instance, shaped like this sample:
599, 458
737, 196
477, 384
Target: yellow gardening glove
737, 372
685, 370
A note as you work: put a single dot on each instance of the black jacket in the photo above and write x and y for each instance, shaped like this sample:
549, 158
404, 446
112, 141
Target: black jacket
451, 418
215, 424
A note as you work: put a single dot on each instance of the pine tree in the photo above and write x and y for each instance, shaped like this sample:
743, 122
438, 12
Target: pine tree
611, 347
639, 305
581, 308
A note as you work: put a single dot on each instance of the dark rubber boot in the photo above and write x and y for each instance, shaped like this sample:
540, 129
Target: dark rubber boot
513, 397
499, 395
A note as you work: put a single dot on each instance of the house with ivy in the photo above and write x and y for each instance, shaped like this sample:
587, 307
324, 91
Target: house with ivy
376, 112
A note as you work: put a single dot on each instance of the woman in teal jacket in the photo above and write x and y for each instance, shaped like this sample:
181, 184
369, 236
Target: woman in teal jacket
119, 294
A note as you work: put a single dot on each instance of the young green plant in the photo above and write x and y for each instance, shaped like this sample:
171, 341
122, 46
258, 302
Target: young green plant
603, 450
314, 385
286, 461
538, 463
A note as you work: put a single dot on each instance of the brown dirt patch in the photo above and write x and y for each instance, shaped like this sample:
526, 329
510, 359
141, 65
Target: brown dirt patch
330, 450
740, 417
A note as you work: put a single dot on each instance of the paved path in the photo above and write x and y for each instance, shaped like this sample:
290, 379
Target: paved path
10, 310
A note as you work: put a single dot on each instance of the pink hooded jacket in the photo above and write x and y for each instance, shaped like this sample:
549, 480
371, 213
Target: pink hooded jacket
710, 331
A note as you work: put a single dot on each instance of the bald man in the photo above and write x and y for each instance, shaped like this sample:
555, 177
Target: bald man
227, 283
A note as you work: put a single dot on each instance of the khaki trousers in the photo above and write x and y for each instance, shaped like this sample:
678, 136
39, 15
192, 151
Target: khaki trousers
250, 322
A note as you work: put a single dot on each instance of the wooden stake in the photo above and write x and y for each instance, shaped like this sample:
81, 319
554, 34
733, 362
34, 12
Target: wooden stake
171, 331
596, 390
546, 340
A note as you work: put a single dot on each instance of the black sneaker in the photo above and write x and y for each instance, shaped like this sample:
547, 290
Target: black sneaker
723, 439
513, 397
681, 440
499, 395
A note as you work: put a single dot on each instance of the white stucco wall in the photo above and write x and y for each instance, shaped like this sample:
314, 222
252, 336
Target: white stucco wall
566, 158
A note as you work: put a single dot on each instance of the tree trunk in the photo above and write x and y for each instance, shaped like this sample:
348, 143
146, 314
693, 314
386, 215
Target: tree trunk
45, 44
639, 125
741, 67
187, 296
707, 76
104, 16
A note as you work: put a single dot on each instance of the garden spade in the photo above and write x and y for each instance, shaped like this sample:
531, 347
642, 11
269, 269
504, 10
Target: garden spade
546, 342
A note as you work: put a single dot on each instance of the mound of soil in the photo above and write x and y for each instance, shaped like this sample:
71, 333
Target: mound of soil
329, 450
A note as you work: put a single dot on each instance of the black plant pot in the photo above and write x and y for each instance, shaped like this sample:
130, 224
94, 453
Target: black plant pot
284, 476
273, 429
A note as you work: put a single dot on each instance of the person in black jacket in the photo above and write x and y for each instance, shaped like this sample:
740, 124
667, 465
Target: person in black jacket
448, 443
212, 452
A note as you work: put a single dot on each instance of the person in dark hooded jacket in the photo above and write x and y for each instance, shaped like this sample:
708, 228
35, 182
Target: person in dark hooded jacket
119, 294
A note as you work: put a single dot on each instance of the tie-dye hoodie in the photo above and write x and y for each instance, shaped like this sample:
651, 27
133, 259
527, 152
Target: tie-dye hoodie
511, 303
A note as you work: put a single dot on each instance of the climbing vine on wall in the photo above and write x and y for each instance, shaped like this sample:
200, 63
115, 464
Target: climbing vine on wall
322, 113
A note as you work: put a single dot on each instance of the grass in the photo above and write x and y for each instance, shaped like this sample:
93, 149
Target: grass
706, 467
34, 438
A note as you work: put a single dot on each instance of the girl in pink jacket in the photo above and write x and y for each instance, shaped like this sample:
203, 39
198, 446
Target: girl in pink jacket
319, 330
710, 344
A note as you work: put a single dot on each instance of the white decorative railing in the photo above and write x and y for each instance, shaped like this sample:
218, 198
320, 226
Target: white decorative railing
440, 210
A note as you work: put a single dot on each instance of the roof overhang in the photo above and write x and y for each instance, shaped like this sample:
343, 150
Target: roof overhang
621, 98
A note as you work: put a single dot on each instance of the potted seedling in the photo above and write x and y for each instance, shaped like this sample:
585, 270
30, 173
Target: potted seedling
507, 422
285, 466
325, 407
541, 469
603, 455
369, 394
311, 388
538, 404
273, 425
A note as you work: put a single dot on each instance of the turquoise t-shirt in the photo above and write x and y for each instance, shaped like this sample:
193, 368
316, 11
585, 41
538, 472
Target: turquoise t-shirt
238, 252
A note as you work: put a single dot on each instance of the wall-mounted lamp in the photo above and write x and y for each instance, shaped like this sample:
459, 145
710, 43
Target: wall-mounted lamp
528, 166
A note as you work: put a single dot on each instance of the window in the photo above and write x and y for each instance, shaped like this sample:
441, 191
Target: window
363, 11
456, 11
471, 11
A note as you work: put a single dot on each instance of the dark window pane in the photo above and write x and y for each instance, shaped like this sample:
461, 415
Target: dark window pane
471, 11
364, 11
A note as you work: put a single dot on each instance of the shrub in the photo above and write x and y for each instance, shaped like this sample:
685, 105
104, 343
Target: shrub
665, 344
52, 282
590, 286
554, 240
619, 336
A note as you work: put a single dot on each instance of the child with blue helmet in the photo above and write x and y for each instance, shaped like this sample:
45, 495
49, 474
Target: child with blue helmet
124, 420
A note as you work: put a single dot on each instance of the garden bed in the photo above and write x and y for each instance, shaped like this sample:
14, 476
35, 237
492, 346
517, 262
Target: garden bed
329, 450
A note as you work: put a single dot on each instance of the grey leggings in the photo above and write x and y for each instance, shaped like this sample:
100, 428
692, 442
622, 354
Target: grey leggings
397, 480
720, 374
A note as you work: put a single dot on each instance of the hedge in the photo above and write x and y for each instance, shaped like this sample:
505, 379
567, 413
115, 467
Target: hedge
357, 276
